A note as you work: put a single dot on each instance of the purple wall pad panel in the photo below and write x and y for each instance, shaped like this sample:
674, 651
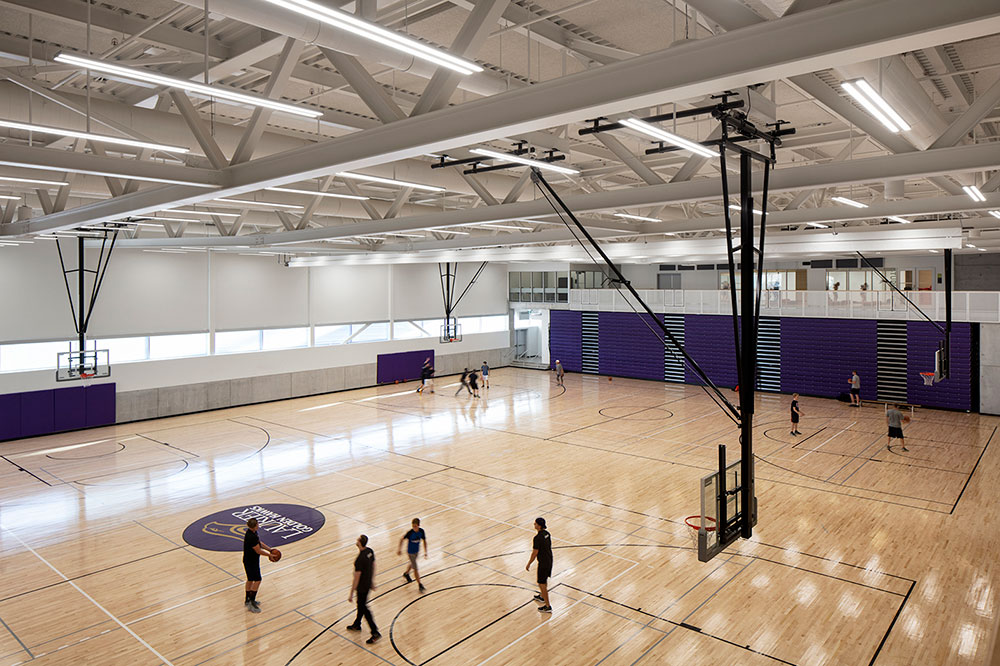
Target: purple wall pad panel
69, 408
101, 404
818, 355
708, 339
401, 366
626, 348
564, 339
36, 413
921, 342
10, 416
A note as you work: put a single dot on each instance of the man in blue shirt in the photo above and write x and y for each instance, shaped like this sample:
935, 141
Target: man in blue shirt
413, 539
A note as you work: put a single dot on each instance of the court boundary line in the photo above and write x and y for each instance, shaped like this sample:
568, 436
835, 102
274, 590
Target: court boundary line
90, 598
16, 638
974, 468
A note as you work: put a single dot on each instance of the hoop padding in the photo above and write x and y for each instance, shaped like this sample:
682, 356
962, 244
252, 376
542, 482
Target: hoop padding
928, 378
697, 526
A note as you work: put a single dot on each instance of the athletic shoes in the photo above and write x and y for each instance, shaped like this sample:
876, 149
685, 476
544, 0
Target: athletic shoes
545, 609
422, 588
374, 638
538, 597
406, 576
906, 449
354, 627
254, 607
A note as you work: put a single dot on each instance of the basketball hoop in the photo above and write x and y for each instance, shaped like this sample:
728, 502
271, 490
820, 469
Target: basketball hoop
696, 526
928, 378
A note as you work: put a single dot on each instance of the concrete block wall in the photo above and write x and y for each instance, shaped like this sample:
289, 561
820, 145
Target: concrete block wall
198, 397
989, 368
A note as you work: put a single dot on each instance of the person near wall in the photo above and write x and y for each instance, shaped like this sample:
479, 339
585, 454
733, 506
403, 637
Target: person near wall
855, 382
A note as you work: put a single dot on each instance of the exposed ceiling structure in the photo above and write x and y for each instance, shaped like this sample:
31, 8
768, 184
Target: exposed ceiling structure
316, 128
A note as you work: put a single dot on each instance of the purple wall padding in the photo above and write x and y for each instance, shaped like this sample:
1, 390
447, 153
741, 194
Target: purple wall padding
101, 404
10, 416
818, 356
627, 348
922, 340
709, 340
37, 409
564, 339
401, 366
69, 410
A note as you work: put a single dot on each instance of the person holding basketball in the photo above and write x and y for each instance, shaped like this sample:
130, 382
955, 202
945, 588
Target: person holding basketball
252, 550
855, 383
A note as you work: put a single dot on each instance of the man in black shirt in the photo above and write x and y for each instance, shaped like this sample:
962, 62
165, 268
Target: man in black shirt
364, 581
796, 413
252, 550
542, 551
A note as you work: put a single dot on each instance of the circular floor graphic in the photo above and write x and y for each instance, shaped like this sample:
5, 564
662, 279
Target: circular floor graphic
279, 524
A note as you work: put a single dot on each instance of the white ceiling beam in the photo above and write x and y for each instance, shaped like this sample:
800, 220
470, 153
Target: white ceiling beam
201, 133
371, 92
785, 47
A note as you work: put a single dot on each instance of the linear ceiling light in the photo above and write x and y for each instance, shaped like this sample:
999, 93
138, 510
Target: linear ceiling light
663, 135
190, 86
995, 213
449, 231
199, 212
896, 218
638, 217
89, 136
974, 193
819, 225
389, 181
735, 207
501, 226
176, 219
35, 181
332, 195
849, 202
99, 172
874, 104
269, 204
517, 159
377, 33
9, 197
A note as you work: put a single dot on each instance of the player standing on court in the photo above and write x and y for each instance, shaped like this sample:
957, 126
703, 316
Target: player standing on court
559, 374
252, 550
855, 383
796, 413
364, 582
486, 374
413, 539
541, 547
895, 419
474, 383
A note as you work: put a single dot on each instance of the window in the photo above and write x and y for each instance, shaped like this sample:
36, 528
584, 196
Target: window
668, 281
375, 332
332, 335
406, 330
493, 324
178, 346
125, 350
31, 356
236, 342
285, 338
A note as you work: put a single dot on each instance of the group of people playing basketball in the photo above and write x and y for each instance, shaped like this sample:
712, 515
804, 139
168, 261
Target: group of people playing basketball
469, 380
363, 581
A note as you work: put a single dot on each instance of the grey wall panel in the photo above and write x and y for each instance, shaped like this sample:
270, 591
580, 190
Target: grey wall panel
977, 272
989, 368
182, 399
309, 382
241, 391
219, 394
136, 405
271, 387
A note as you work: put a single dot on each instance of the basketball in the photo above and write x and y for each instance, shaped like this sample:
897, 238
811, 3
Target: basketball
609, 379
275, 555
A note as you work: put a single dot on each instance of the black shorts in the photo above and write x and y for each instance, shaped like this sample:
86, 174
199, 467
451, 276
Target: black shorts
855, 391
544, 571
896, 433
795, 418
252, 567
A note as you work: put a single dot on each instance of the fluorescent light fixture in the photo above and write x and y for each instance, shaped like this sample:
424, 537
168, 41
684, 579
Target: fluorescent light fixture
819, 225
896, 218
35, 181
933, 251
974, 193
501, 226
627, 216
450, 231
874, 104
101, 172
16, 241
314, 193
995, 213
200, 212
175, 219
849, 202
755, 211
981, 249
663, 135
389, 181
89, 136
969, 245
167, 251
269, 204
9, 197
517, 159
171, 82
376, 33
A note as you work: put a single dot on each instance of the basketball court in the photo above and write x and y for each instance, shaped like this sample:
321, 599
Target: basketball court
862, 554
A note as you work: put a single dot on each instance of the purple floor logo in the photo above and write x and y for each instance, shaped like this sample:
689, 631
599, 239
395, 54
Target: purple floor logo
279, 524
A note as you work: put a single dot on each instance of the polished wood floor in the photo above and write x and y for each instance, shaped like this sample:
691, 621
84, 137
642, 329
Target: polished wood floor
862, 554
